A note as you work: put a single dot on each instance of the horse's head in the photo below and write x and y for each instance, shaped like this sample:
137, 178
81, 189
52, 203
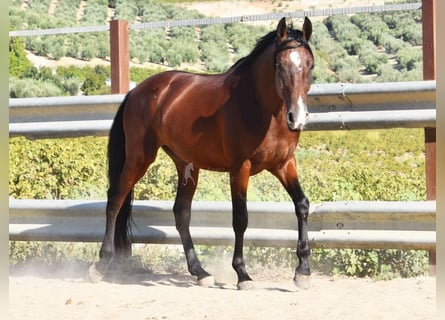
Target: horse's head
294, 63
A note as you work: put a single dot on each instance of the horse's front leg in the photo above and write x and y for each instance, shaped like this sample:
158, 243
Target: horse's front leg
238, 183
287, 174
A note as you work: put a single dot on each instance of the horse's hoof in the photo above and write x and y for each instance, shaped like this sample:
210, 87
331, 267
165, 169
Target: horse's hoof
246, 285
206, 282
302, 281
93, 274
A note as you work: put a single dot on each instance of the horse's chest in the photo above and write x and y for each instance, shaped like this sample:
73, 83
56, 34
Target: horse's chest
271, 155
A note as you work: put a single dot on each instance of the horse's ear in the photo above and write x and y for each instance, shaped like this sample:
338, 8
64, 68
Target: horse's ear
307, 29
281, 30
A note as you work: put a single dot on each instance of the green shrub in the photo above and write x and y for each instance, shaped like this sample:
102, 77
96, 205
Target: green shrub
370, 58
332, 166
18, 62
392, 44
95, 82
94, 14
57, 169
214, 50
30, 88
379, 264
139, 74
386, 73
408, 57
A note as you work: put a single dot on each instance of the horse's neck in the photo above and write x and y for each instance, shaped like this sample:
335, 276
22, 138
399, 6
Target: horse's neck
263, 79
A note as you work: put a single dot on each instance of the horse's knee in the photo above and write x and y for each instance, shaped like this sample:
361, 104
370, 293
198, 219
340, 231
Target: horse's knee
302, 208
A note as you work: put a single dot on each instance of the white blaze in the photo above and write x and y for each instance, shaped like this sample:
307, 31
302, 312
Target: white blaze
296, 59
301, 117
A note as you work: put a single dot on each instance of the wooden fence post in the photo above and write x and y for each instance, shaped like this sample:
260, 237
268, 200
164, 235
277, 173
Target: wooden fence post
429, 73
119, 55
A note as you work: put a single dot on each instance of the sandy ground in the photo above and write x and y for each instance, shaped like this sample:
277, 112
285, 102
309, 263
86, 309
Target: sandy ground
63, 294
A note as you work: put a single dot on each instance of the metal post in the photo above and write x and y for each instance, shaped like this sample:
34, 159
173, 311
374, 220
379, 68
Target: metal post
429, 73
119, 54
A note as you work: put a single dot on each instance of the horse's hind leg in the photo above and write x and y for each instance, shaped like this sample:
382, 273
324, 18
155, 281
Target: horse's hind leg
107, 251
134, 168
187, 182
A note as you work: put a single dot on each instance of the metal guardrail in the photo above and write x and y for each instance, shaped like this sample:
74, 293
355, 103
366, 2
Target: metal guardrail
331, 107
354, 224
345, 224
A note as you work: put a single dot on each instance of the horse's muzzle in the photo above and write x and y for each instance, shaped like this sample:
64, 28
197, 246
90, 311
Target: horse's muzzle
296, 123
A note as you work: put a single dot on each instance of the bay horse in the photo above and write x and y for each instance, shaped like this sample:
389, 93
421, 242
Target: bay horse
243, 121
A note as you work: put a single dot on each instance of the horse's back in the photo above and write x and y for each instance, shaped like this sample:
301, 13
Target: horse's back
183, 112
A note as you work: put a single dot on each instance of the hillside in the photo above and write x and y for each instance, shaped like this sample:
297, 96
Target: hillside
359, 48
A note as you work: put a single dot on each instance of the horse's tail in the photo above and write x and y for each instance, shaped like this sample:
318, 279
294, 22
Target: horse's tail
116, 160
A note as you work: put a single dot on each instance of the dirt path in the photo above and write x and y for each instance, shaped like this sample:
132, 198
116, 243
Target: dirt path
63, 294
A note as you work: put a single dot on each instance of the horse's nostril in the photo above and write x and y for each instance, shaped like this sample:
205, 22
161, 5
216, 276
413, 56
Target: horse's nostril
290, 117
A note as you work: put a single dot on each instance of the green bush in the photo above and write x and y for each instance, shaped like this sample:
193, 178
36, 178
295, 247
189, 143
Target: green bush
372, 26
139, 74
67, 10
57, 169
214, 50
392, 44
386, 73
379, 264
243, 38
39, 5
359, 165
126, 11
30, 88
18, 62
408, 57
95, 13
370, 58
95, 83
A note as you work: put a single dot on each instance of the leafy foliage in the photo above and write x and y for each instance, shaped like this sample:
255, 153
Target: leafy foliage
29, 88
359, 165
57, 169
379, 264
213, 45
18, 62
